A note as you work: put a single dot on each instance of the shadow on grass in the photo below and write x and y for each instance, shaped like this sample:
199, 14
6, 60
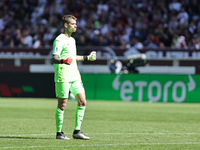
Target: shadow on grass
19, 137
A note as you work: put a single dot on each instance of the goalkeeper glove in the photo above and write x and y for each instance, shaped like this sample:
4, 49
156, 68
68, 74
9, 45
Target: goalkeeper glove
91, 57
66, 61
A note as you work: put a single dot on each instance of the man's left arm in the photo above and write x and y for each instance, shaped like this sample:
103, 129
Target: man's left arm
91, 57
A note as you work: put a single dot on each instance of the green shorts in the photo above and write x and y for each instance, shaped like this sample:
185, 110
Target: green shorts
63, 88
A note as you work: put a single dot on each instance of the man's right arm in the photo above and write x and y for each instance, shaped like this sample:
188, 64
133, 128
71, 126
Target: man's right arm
56, 60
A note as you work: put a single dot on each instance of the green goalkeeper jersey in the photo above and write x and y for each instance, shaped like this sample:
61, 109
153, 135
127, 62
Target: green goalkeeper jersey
64, 47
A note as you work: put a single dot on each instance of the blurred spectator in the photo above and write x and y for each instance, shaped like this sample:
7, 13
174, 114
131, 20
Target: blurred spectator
183, 17
194, 43
17, 38
192, 28
173, 22
101, 6
174, 40
27, 39
37, 41
175, 5
7, 41
47, 37
152, 41
124, 43
181, 42
195, 7
137, 44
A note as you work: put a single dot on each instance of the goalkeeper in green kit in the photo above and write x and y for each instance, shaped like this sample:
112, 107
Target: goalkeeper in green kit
67, 77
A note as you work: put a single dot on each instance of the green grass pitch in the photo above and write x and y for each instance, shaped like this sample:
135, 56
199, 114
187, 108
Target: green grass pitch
28, 123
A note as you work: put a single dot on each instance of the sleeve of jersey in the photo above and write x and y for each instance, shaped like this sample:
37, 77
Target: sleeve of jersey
57, 47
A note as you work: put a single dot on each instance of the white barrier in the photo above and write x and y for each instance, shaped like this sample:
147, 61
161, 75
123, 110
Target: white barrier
167, 69
35, 68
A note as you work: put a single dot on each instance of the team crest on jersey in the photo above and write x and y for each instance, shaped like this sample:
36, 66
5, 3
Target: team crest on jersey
82, 84
63, 93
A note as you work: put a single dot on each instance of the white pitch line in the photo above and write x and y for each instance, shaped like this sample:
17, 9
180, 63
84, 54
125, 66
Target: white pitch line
146, 133
102, 133
98, 145
29, 134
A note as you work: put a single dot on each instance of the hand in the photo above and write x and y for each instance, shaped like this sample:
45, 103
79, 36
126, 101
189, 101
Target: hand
68, 60
92, 56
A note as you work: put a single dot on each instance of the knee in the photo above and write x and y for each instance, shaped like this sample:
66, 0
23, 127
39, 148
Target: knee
62, 103
85, 102
62, 106
82, 103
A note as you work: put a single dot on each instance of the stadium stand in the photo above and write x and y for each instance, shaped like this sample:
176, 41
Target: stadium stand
138, 23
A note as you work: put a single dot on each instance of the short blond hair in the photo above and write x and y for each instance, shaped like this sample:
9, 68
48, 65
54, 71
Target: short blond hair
66, 19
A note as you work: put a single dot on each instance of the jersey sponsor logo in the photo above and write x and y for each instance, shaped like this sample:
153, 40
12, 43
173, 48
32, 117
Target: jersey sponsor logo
56, 49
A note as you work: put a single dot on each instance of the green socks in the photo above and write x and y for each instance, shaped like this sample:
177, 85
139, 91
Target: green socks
79, 114
59, 119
